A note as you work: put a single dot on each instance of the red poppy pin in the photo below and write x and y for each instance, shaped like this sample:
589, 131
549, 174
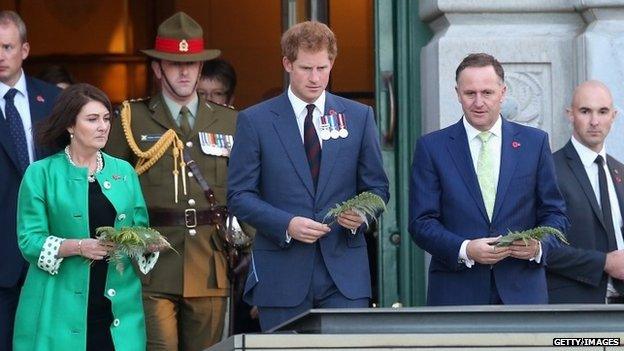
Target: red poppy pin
40, 98
515, 144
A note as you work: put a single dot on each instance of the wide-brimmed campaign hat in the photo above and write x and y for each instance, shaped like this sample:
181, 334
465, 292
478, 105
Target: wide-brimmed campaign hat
180, 39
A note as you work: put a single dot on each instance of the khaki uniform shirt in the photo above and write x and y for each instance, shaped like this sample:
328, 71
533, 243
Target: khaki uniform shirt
199, 267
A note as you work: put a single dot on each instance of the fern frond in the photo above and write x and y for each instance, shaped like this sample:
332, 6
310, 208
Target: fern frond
537, 233
132, 242
366, 204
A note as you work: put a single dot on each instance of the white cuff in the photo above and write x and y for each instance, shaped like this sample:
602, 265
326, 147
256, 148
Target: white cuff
288, 238
538, 257
146, 263
463, 255
48, 258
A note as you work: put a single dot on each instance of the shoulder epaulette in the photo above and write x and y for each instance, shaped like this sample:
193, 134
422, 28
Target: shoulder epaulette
139, 99
231, 107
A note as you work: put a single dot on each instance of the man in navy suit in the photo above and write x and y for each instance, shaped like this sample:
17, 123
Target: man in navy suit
591, 268
473, 182
32, 99
295, 156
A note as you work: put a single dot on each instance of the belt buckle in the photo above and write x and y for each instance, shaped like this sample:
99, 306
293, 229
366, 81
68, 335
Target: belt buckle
190, 218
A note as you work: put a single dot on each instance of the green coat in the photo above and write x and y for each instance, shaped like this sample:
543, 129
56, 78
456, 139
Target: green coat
197, 267
52, 310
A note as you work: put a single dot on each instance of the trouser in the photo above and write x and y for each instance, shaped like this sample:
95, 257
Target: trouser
9, 298
322, 293
174, 322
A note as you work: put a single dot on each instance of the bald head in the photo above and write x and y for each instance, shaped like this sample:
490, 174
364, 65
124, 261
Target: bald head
592, 113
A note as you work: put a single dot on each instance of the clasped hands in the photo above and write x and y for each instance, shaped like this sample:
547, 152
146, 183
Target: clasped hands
309, 231
485, 251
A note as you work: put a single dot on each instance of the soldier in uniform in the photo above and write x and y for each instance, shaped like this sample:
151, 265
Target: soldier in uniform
185, 295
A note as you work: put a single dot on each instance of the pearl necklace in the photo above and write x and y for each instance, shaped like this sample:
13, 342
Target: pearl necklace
99, 164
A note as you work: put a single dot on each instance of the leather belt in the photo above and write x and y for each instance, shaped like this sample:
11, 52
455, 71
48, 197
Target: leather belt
189, 218
615, 299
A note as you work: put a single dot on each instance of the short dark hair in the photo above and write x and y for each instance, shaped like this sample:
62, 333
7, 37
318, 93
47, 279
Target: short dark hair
222, 71
52, 131
480, 60
55, 74
309, 36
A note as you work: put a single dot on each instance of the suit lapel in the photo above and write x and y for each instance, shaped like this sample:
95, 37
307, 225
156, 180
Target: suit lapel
285, 124
6, 142
616, 175
509, 160
161, 115
575, 164
205, 118
331, 147
459, 150
36, 103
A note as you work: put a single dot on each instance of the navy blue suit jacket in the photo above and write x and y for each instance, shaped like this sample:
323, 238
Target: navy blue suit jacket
269, 183
446, 208
576, 272
41, 97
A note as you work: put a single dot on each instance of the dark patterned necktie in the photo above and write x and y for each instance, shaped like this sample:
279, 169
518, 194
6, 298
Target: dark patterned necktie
312, 145
16, 129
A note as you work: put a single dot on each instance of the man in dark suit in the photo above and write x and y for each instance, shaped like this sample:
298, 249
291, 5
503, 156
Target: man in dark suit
591, 269
294, 158
474, 181
25, 101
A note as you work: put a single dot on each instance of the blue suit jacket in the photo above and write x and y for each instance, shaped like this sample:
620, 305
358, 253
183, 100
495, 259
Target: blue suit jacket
446, 208
269, 183
41, 97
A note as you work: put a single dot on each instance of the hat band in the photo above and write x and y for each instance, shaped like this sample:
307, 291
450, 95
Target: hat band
179, 46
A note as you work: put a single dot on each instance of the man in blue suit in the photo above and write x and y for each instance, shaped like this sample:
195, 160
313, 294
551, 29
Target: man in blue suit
24, 102
473, 182
295, 156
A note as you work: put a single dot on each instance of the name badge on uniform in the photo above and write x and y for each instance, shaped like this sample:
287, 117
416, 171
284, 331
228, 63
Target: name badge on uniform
150, 137
216, 144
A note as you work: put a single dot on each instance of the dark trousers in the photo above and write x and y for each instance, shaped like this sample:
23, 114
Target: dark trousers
9, 298
322, 293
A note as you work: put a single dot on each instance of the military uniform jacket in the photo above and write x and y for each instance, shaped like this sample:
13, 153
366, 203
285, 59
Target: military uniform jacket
199, 267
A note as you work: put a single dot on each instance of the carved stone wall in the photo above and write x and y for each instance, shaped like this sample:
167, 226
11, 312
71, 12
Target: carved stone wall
546, 48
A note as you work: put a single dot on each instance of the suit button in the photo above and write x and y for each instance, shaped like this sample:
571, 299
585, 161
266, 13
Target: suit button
111, 292
189, 144
107, 185
116, 322
121, 217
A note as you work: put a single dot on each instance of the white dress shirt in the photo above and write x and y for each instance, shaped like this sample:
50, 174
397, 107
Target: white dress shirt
588, 157
299, 107
301, 111
21, 104
495, 143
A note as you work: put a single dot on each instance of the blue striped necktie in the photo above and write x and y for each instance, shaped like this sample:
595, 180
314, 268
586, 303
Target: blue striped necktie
312, 145
16, 129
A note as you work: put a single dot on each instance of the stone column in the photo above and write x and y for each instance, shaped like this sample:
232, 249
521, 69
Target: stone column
533, 39
600, 50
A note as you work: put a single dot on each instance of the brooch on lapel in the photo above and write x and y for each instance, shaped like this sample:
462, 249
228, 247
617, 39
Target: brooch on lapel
40, 98
333, 125
617, 177
515, 144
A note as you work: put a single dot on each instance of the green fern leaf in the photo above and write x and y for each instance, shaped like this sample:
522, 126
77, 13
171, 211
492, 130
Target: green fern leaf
366, 204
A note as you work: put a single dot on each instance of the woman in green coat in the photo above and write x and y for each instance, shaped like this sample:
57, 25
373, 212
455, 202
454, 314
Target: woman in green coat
72, 298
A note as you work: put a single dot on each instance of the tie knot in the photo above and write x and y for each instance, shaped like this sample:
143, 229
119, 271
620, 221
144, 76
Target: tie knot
310, 109
484, 136
599, 160
185, 111
10, 94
